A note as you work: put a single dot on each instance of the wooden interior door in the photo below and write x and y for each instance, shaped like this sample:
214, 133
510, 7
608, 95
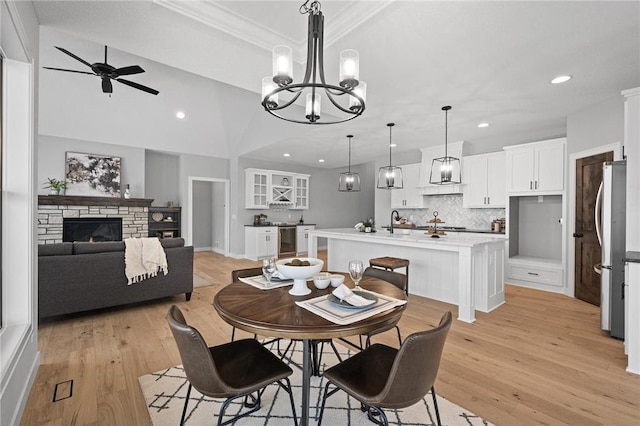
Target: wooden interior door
588, 251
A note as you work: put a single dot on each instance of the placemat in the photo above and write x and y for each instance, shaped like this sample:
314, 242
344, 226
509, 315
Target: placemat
260, 282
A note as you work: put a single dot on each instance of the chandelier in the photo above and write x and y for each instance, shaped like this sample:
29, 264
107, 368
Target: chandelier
446, 168
280, 92
349, 182
390, 177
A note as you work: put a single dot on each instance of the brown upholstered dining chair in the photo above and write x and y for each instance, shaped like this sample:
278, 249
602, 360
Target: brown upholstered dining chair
400, 281
243, 273
232, 370
384, 377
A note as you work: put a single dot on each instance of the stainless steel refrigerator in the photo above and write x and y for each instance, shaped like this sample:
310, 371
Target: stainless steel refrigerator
611, 229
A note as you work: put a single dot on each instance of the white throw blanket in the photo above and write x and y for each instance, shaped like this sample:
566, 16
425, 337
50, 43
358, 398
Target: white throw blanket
144, 258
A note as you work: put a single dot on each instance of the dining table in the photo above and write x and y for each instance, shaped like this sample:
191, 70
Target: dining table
274, 313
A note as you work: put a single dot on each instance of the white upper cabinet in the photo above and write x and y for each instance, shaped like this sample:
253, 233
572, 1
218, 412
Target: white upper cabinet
454, 149
484, 181
536, 167
264, 188
409, 196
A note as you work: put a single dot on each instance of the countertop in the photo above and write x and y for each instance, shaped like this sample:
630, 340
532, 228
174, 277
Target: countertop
632, 257
283, 224
448, 229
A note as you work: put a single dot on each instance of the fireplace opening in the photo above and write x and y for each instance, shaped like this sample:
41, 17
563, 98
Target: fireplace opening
93, 229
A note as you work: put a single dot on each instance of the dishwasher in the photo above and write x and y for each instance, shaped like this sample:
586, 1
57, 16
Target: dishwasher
286, 241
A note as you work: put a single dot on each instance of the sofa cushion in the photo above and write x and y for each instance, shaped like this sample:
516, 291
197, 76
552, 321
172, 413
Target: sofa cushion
58, 249
172, 242
100, 247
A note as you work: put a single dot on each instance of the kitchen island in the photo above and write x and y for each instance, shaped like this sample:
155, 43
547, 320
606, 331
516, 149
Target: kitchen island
457, 269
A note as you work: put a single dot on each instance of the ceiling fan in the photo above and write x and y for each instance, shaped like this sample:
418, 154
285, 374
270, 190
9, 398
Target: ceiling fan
107, 73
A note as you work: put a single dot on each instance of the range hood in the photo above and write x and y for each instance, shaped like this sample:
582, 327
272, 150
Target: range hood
455, 149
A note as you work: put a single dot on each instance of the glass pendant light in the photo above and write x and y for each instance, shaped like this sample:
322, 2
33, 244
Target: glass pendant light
390, 177
445, 170
349, 182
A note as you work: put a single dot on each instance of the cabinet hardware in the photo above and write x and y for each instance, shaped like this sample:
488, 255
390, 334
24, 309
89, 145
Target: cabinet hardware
576, 235
484, 200
536, 186
488, 200
530, 184
533, 273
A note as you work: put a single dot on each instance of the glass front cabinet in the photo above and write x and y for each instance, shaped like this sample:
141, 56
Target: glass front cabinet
264, 188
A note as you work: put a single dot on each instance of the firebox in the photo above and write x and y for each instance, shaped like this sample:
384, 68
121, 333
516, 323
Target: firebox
92, 229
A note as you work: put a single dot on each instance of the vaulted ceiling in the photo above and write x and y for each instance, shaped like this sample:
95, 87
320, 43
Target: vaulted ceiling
492, 61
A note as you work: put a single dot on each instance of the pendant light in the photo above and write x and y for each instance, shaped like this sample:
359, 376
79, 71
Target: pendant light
390, 177
445, 170
349, 182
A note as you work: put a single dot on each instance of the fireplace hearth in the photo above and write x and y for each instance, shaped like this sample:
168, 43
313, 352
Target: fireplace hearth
93, 229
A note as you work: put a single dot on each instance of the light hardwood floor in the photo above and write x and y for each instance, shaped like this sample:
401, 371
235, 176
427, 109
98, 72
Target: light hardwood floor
539, 359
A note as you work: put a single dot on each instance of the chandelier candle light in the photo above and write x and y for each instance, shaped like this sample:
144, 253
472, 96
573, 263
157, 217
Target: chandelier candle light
447, 168
349, 182
390, 177
348, 97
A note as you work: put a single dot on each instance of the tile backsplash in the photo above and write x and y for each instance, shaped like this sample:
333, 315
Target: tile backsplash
450, 210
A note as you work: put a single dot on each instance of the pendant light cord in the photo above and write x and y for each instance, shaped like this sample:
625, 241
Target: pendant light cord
349, 153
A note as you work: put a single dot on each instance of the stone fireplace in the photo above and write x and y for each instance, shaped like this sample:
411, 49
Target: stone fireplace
53, 209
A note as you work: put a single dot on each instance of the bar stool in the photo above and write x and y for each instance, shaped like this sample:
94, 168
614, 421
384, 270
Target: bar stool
390, 264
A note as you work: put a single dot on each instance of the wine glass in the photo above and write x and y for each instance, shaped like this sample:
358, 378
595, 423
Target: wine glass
268, 268
356, 269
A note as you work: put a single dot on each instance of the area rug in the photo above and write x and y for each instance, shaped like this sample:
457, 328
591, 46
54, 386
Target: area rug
164, 392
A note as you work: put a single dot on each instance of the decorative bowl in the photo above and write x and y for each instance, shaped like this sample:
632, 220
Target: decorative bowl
322, 280
299, 274
336, 280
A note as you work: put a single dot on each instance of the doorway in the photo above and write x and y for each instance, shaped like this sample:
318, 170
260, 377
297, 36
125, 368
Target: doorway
208, 216
587, 248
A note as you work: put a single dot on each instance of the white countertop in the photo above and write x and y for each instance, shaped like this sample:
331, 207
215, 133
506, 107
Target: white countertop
420, 240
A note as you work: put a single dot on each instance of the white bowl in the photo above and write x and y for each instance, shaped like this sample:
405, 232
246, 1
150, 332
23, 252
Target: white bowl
336, 280
300, 274
322, 280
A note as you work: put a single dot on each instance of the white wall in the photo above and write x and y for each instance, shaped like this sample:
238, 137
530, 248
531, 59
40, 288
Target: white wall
19, 357
161, 177
218, 225
597, 125
51, 161
202, 214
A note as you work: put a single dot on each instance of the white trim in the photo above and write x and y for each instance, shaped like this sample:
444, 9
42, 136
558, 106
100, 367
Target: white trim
199, 249
191, 179
616, 147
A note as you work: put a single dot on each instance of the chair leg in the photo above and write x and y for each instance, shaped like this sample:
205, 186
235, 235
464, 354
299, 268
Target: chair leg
225, 404
326, 395
233, 333
435, 404
375, 411
186, 402
399, 336
288, 389
335, 350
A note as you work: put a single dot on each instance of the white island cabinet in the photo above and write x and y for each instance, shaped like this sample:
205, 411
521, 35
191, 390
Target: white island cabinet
459, 269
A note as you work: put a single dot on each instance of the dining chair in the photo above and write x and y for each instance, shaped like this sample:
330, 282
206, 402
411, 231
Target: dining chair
384, 377
243, 273
232, 370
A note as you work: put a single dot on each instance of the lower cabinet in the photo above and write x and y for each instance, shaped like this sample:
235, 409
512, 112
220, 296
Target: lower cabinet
302, 238
260, 242
535, 273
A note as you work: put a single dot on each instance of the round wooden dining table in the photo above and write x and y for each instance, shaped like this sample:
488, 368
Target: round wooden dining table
273, 313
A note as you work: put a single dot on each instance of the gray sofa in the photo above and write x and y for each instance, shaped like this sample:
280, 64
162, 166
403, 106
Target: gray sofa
77, 277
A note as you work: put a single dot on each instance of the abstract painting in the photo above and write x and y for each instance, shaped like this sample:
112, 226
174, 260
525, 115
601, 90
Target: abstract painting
92, 175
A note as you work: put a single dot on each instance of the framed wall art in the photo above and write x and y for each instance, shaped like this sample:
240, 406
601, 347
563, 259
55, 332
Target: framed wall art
92, 175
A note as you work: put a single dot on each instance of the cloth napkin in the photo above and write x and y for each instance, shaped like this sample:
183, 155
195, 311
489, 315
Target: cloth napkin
343, 292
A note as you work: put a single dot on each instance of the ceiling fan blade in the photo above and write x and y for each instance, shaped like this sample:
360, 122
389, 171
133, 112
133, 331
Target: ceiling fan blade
73, 56
62, 69
106, 85
137, 86
133, 69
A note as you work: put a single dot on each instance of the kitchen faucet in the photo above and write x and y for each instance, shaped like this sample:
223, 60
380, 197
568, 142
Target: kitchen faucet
397, 218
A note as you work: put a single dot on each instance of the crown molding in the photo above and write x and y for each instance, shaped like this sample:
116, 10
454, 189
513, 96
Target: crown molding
223, 19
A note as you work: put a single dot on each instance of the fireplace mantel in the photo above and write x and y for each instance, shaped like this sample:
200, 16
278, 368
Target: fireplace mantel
73, 200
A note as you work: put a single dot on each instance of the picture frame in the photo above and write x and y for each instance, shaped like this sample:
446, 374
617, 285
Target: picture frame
167, 234
92, 175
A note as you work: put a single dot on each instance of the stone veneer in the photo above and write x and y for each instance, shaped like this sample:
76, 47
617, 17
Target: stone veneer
135, 218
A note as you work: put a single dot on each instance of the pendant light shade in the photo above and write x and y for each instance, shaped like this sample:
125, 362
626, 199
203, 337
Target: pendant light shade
390, 177
445, 170
349, 182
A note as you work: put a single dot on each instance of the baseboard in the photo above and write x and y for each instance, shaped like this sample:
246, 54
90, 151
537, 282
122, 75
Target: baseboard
236, 256
219, 251
202, 249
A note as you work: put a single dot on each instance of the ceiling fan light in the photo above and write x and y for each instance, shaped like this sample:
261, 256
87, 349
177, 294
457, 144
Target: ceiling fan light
282, 65
349, 68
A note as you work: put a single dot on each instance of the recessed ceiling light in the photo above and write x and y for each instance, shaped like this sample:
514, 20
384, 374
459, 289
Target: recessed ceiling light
561, 79
321, 161
393, 145
481, 125
286, 154
180, 115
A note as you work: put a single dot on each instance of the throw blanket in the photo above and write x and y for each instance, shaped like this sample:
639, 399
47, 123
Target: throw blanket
143, 258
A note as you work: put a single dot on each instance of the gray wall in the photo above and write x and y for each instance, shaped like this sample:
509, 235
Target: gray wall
218, 225
202, 214
597, 125
539, 232
161, 177
51, 161
328, 208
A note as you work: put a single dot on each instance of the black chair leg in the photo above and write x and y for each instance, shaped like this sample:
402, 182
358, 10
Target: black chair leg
233, 333
186, 402
435, 404
288, 389
399, 336
375, 411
